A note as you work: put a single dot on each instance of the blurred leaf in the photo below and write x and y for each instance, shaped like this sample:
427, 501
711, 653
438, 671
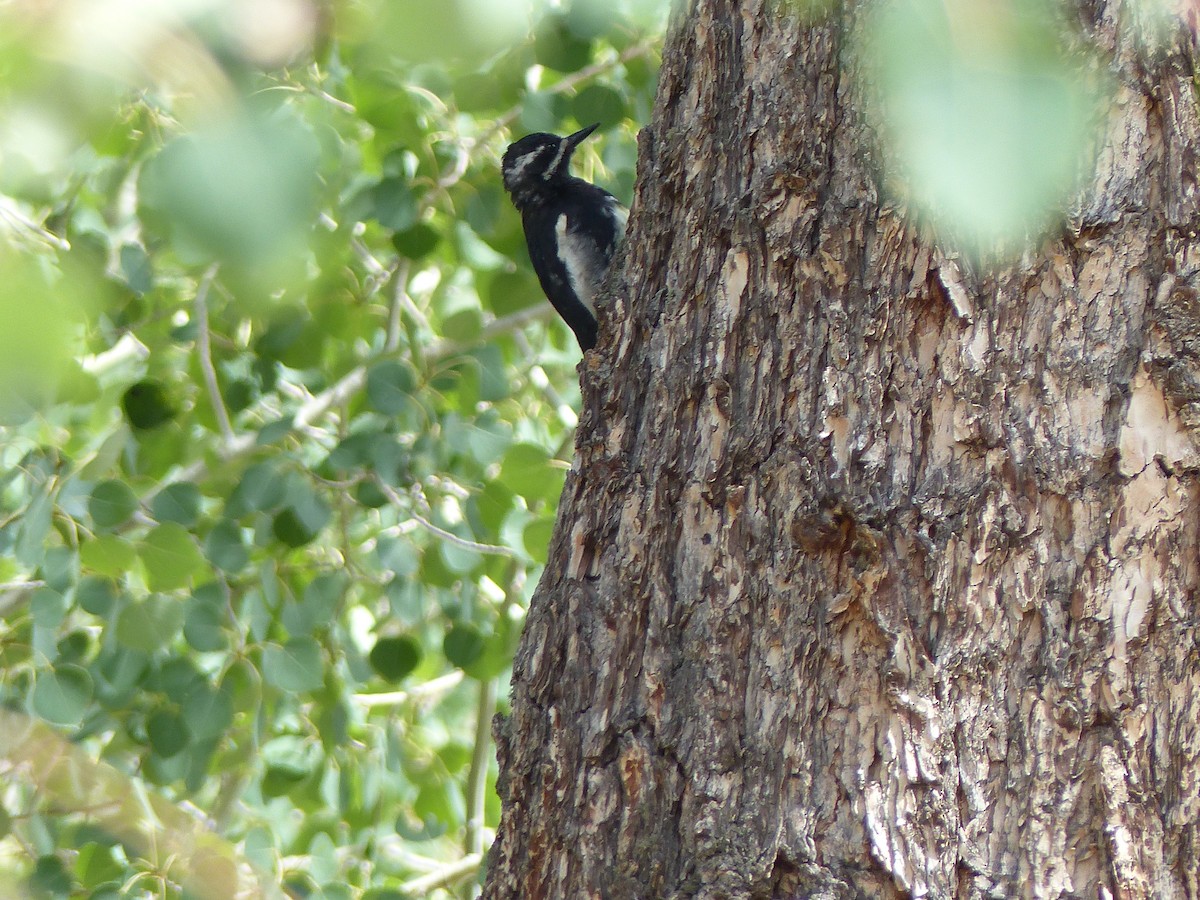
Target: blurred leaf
147, 405
61, 696
294, 666
41, 303
991, 120
389, 385
178, 502
171, 557
167, 732
111, 504
557, 46
204, 624
463, 645
598, 103
150, 624
225, 548
536, 537
241, 191
526, 470
393, 658
417, 241
108, 555
96, 595
208, 713
261, 488
393, 204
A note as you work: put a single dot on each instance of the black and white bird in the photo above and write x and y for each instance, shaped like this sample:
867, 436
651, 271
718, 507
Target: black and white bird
572, 227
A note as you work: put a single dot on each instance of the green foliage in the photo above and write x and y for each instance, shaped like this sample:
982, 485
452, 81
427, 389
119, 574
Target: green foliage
270, 503
990, 126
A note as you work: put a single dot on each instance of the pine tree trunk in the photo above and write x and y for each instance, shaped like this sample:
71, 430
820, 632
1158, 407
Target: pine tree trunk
875, 577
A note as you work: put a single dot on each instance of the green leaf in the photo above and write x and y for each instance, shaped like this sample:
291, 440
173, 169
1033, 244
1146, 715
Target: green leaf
170, 556
96, 865
208, 712
240, 189
510, 292
147, 405
225, 547
389, 385
393, 658
296, 666
62, 695
204, 624
599, 103
418, 241
493, 659
991, 122
393, 204
48, 607
536, 538
289, 529
463, 645
526, 470
151, 624
108, 555
261, 489
135, 268
178, 502
167, 732
50, 877
111, 504
556, 47
96, 595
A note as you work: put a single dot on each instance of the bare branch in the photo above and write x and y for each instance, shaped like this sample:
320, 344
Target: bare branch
419, 693
443, 876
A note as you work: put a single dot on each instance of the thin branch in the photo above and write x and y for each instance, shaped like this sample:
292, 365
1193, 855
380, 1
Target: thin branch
447, 536
20, 585
416, 694
204, 350
441, 349
443, 876
400, 301
337, 394
477, 777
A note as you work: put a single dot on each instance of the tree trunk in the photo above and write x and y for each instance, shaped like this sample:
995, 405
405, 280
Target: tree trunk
875, 576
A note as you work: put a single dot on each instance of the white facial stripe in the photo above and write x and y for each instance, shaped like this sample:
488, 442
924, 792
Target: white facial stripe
522, 164
554, 163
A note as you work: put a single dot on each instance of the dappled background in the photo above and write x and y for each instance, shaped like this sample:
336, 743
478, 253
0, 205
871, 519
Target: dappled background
285, 418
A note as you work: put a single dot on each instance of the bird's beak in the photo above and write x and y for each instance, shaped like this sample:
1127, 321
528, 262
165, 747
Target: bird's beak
574, 140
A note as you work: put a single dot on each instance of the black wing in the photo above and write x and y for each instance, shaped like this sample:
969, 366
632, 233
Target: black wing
571, 244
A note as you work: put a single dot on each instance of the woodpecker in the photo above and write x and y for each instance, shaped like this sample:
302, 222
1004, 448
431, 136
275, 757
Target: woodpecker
572, 228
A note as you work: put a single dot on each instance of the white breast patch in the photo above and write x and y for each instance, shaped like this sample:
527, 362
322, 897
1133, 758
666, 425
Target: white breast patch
579, 256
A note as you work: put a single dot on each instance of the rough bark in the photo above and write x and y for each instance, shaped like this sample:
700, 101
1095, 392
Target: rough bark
875, 575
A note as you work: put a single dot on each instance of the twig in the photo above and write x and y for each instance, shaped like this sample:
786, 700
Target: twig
415, 694
391, 340
204, 350
443, 876
447, 536
477, 777
441, 349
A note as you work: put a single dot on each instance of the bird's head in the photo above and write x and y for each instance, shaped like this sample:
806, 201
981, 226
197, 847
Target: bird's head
536, 161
